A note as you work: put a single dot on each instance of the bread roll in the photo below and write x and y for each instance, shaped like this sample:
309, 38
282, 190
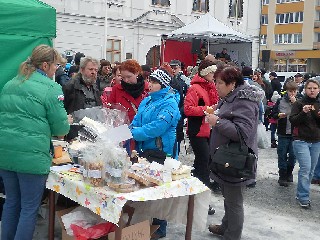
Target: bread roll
210, 110
57, 151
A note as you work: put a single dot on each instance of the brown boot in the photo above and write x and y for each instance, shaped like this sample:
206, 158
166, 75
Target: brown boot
216, 229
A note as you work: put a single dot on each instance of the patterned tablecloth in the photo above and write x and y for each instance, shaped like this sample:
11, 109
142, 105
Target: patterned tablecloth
107, 203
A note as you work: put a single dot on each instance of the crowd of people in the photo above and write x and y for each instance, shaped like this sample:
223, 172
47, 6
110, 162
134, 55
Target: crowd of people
160, 103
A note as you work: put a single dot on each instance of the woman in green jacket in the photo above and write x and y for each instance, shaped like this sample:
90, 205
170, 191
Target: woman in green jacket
31, 112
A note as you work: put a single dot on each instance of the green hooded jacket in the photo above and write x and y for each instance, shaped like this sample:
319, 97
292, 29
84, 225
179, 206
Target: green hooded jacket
31, 112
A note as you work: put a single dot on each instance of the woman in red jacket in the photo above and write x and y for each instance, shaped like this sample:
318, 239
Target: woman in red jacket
129, 92
132, 88
200, 95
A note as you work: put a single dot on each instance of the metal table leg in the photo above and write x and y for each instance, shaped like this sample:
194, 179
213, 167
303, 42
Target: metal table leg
51, 214
189, 217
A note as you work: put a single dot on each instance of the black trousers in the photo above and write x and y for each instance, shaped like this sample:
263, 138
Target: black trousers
200, 147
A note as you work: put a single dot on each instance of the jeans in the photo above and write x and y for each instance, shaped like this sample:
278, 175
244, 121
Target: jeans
307, 155
162, 230
23, 198
273, 128
285, 148
316, 174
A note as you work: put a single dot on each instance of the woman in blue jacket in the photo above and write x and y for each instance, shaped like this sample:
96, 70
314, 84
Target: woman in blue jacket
154, 126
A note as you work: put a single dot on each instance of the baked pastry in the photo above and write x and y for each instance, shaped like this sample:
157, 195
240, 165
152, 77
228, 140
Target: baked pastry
57, 151
139, 178
209, 110
181, 176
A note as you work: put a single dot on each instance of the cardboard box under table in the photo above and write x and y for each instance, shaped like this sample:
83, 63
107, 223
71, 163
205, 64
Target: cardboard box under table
173, 201
139, 231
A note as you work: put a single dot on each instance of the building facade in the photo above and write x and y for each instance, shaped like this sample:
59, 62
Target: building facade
121, 29
290, 36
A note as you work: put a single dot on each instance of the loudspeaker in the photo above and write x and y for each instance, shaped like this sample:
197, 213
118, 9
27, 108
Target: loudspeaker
265, 55
196, 43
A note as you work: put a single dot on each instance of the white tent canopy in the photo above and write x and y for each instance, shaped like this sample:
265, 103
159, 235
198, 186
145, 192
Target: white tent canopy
209, 28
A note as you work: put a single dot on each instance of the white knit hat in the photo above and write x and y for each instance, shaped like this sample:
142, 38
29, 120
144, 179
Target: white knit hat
275, 96
161, 76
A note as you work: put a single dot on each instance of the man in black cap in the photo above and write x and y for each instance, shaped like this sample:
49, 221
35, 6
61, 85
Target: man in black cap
179, 83
275, 83
300, 80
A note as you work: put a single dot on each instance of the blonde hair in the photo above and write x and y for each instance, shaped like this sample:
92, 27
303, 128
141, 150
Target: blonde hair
39, 55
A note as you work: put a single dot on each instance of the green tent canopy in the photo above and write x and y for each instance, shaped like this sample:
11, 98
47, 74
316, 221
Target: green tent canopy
24, 24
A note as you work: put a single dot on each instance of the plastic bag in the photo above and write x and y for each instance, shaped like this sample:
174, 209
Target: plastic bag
84, 224
262, 138
93, 232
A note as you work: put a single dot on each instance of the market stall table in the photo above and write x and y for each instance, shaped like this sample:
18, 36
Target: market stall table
108, 204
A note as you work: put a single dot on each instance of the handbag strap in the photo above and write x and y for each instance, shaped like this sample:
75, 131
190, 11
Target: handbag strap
241, 139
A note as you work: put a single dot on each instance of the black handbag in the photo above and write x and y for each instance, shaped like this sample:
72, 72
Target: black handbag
234, 159
154, 155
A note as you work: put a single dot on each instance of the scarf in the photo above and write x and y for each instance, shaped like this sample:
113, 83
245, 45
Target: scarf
134, 90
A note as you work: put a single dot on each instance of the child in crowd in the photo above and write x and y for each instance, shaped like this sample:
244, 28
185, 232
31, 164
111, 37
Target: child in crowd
273, 121
281, 113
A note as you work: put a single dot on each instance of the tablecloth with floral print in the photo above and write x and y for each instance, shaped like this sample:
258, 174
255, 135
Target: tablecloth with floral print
107, 203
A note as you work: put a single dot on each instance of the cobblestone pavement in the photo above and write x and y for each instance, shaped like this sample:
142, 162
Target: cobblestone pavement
271, 211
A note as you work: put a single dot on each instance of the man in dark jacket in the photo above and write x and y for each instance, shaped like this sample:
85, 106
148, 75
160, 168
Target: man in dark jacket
179, 83
275, 83
223, 56
81, 91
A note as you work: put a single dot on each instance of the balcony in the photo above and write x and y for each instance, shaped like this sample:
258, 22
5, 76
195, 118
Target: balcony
316, 45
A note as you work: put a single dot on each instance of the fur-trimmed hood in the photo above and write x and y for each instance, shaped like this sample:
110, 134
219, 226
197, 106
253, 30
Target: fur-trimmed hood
251, 93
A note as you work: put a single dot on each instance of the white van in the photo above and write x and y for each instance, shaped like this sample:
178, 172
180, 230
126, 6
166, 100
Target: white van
282, 76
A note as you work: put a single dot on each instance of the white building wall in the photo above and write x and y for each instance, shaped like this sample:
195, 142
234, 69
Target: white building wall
139, 24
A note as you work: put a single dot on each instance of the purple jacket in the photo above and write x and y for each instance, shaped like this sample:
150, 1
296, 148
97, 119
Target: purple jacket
241, 107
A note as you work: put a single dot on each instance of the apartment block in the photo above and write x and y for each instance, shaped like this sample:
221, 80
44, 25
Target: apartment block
290, 36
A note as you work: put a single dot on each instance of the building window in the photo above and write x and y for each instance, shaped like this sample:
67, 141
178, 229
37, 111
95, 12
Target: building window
200, 6
288, 1
288, 38
236, 9
264, 19
165, 3
290, 65
263, 39
265, 2
284, 18
113, 50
